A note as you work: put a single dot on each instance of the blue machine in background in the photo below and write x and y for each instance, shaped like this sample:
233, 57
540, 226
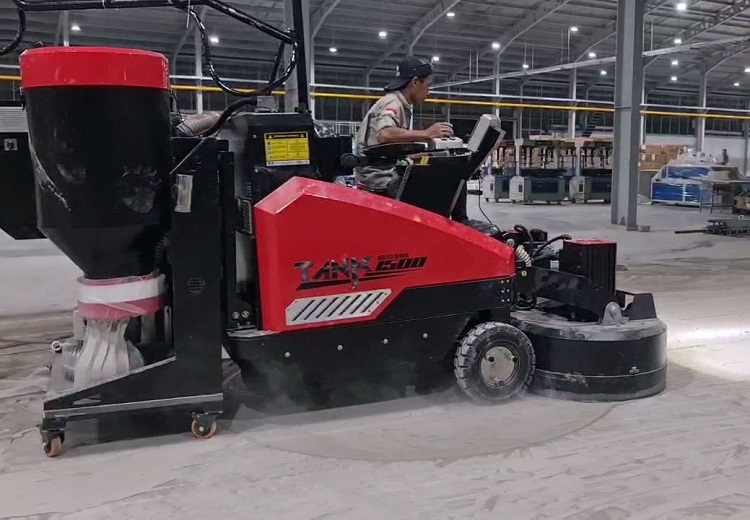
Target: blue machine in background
691, 184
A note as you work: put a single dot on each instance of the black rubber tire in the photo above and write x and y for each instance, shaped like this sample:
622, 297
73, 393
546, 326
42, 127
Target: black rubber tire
471, 351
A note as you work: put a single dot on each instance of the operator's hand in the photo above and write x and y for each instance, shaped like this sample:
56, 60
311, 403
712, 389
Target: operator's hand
439, 130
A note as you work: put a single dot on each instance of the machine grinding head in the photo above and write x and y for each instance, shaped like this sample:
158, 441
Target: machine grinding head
99, 129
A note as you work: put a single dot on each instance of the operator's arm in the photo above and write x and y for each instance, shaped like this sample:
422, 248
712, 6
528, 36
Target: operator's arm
391, 123
394, 134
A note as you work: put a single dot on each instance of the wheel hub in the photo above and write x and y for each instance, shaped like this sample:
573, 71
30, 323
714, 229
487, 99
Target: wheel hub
498, 366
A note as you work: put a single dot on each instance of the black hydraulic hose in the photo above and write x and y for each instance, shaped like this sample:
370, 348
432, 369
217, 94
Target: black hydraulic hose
210, 64
13, 45
549, 243
521, 229
285, 37
242, 103
218, 5
277, 60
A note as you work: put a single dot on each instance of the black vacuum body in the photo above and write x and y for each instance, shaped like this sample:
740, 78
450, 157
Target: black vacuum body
100, 145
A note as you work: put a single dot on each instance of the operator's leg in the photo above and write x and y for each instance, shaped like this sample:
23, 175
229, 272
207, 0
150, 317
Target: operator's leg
459, 210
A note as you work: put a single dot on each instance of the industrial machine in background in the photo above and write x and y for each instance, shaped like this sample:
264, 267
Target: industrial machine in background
552, 170
592, 179
695, 180
225, 230
539, 173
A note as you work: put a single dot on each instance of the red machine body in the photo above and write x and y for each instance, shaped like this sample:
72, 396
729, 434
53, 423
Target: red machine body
317, 239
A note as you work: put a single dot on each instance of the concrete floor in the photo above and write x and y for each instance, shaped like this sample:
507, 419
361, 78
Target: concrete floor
682, 454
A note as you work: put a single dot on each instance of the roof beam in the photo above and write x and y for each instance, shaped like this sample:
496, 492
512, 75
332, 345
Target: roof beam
724, 15
597, 61
610, 30
523, 25
709, 64
321, 14
428, 20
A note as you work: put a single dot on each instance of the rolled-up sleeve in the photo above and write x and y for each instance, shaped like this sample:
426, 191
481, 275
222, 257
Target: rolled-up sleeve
388, 117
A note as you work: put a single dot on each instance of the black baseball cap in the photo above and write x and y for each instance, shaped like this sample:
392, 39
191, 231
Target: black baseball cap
408, 68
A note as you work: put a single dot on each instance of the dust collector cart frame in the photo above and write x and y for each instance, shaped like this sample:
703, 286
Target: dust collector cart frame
191, 379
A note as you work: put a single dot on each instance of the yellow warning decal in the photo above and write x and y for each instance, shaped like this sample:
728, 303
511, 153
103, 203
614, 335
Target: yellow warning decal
287, 148
425, 160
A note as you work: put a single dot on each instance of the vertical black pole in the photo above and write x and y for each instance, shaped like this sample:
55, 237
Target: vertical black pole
303, 94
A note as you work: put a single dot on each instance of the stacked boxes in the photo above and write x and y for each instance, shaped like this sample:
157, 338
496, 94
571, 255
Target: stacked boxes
654, 156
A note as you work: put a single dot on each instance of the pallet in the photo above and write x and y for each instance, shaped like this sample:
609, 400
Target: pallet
728, 227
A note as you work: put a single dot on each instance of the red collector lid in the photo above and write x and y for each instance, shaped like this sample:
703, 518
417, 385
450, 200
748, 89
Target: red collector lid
93, 67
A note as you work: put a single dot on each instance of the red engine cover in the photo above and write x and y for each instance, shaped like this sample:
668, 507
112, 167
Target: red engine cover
324, 246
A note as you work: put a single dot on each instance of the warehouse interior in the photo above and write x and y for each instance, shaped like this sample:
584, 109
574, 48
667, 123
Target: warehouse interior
617, 129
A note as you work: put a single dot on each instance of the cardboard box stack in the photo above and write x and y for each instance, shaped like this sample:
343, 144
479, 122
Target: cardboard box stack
654, 156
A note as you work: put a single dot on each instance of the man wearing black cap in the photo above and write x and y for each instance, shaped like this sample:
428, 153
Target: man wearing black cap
389, 121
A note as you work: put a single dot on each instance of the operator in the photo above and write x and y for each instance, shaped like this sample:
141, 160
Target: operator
389, 121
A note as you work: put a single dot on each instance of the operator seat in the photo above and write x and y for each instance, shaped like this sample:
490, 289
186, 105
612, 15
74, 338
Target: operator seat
431, 180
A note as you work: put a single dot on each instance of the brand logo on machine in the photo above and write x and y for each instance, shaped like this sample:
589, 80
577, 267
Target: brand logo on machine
355, 270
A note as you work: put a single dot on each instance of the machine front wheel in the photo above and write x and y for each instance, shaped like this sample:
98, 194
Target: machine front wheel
494, 362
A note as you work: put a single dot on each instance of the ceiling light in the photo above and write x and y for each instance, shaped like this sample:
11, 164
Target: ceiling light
333, 50
75, 27
673, 79
214, 39
603, 72
678, 41
436, 58
496, 45
383, 34
747, 70
737, 84
574, 29
675, 63
681, 6
592, 55
525, 66
450, 14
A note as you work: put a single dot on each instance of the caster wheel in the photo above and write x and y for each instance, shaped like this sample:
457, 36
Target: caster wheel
201, 429
486, 199
494, 362
53, 447
497, 200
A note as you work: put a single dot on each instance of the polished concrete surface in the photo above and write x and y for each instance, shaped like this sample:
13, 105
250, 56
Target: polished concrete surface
682, 454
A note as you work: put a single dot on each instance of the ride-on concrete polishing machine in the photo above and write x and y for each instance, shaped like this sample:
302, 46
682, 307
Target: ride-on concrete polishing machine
227, 230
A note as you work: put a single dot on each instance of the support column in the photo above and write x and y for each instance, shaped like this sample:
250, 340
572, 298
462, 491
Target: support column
746, 134
628, 97
644, 100
65, 29
291, 98
572, 94
495, 72
198, 70
700, 124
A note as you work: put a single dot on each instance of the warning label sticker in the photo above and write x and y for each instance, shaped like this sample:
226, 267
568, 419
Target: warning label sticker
287, 149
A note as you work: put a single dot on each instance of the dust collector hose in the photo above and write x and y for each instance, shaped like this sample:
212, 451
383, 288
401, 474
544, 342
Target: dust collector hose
523, 256
195, 124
